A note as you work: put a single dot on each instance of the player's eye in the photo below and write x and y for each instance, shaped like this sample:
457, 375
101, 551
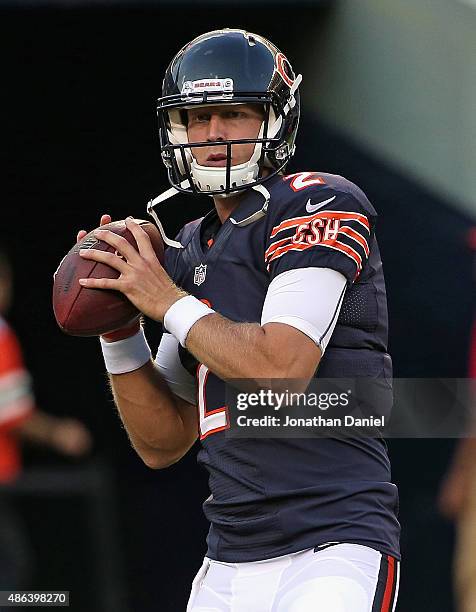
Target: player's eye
234, 114
200, 118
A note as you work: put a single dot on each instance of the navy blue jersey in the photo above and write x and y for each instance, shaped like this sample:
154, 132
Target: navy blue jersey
271, 497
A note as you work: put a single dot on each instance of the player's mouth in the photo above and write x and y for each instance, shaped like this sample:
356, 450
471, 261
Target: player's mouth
217, 160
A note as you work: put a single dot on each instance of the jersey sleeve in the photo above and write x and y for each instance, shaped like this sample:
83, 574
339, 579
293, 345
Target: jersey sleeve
308, 299
322, 229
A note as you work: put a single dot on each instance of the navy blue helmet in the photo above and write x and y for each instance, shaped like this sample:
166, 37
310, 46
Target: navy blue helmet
228, 67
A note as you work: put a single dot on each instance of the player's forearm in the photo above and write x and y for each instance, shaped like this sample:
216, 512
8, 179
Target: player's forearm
238, 350
150, 415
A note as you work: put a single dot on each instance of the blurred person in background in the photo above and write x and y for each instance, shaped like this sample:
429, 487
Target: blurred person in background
457, 499
21, 420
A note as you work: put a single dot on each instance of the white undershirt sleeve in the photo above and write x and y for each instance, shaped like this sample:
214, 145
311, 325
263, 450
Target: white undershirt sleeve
308, 299
179, 380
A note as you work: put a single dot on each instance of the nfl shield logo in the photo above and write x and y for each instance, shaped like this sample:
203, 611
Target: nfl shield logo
200, 274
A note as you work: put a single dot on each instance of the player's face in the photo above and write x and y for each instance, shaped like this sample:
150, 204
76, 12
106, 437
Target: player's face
225, 122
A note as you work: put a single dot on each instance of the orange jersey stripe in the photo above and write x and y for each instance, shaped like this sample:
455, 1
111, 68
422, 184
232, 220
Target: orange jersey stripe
279, 243
344, 230
338, 246
330, 214
356, 236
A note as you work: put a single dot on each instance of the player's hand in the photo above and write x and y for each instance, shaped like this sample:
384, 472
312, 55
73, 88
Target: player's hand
124, 332
70, 437
142, 278
82, 233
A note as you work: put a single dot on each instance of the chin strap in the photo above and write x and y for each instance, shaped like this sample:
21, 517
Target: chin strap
172, 191
158, 200
259, 213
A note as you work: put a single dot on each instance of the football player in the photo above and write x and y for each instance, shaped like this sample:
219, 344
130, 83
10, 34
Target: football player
281, 280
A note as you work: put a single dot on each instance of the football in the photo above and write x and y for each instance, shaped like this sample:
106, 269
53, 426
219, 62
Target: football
80, 311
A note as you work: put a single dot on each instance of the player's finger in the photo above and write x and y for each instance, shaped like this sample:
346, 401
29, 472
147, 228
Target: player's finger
110, 259
121, 245
142, 238
100, 283
80, 235
103, 221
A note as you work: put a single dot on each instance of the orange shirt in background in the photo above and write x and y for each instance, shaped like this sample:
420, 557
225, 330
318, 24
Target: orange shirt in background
16, 401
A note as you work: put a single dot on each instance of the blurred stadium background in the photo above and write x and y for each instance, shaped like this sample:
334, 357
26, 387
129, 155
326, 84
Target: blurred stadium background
389, 93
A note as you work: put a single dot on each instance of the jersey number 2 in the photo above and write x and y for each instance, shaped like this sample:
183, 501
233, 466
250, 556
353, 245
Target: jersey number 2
301, 180
210, 421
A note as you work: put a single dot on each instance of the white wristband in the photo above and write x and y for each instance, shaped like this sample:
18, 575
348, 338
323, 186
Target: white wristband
126, 355
180, 317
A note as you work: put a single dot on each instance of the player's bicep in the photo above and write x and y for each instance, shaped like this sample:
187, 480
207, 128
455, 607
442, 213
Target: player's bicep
299, 354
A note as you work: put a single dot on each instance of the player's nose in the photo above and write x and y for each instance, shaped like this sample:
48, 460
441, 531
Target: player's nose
216, 128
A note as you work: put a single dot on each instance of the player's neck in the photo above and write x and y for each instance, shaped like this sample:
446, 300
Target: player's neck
225, 206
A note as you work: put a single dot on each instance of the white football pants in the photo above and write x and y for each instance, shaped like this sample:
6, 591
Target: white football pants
338, 578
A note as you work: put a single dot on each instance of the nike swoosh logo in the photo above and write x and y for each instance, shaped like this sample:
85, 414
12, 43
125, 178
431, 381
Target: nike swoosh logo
313, 207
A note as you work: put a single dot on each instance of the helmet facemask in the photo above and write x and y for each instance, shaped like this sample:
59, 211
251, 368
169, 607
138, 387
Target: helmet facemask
270, 151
